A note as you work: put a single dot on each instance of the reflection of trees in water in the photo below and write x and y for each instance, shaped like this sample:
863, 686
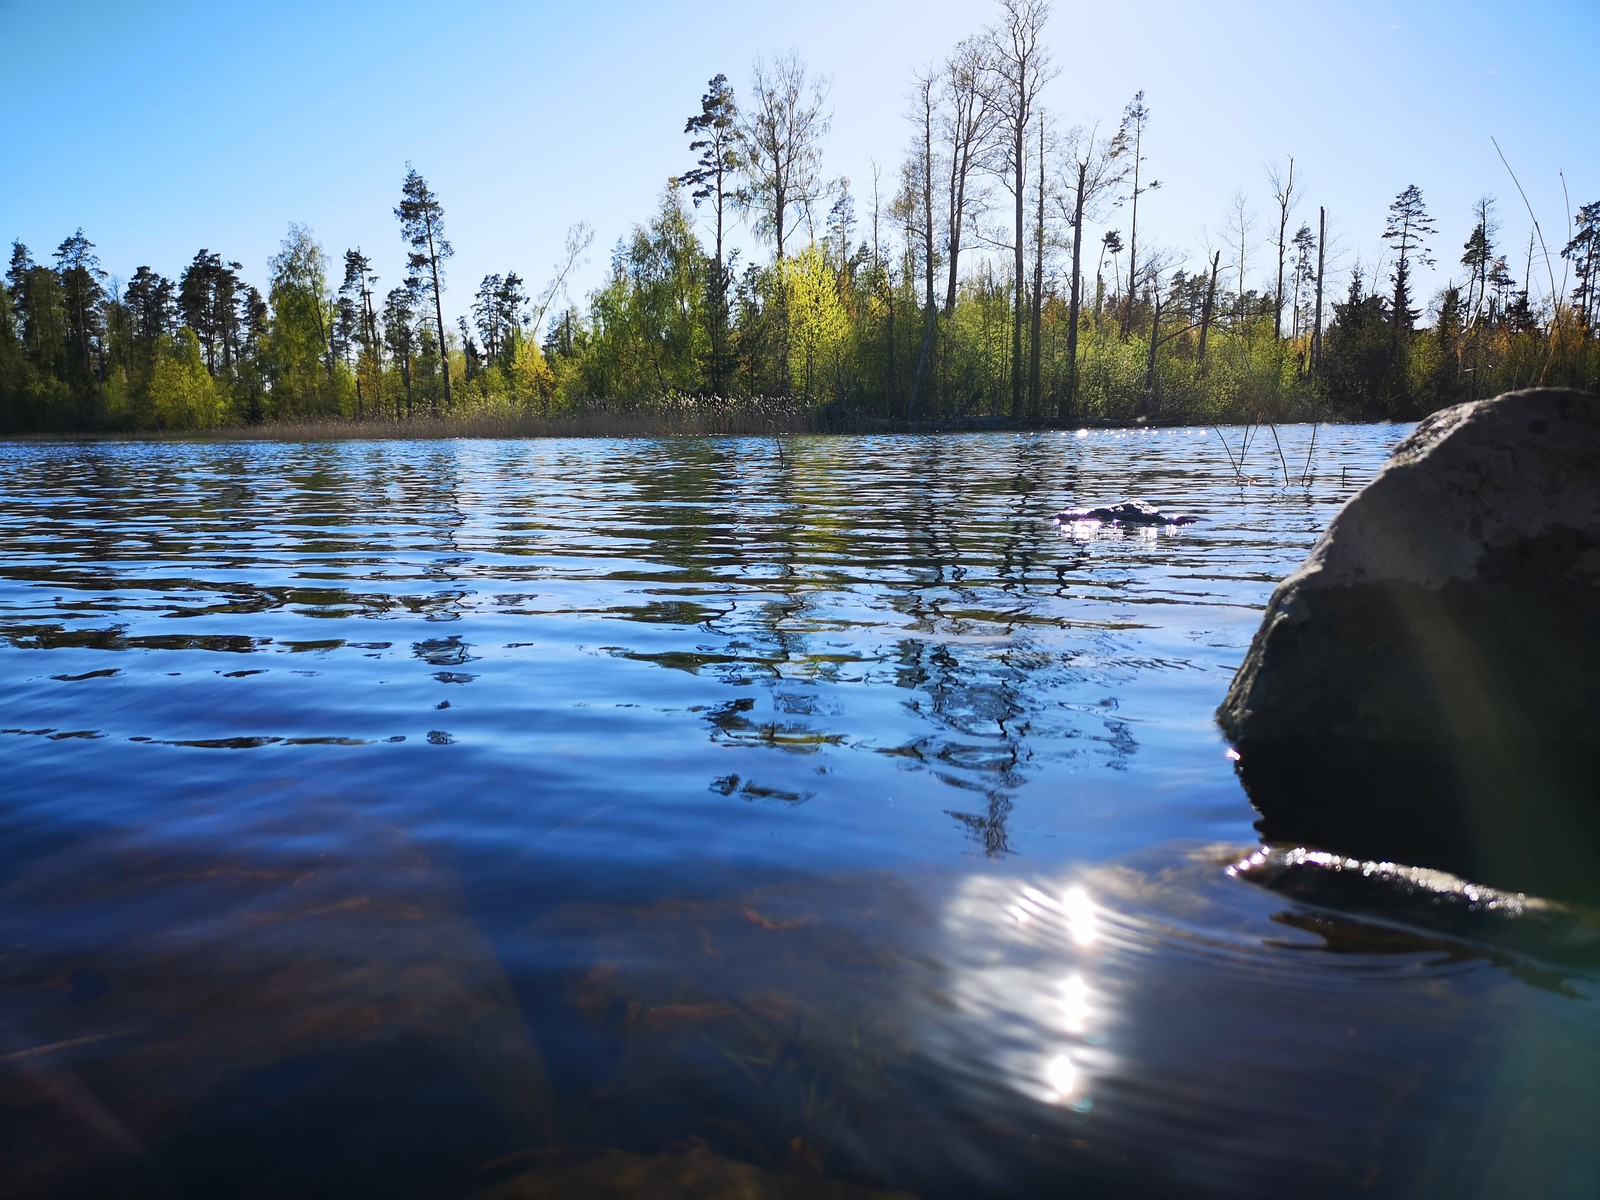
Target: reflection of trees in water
985, 681
814, 574
445, 653
732, 725
996, 709
435, 493
785, 562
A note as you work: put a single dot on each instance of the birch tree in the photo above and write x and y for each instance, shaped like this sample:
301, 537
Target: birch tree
782, 135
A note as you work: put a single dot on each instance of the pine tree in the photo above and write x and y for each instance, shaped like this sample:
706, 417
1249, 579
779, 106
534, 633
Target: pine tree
1477, 257
1408, 228
82, 286
1583, 251
421, 219
497, 312
716, 137
151, 301
360, 322
1304, 274
1128, 145
198, 302
399, 333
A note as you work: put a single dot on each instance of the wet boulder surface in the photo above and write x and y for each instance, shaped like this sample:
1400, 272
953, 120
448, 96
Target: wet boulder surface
1425, 688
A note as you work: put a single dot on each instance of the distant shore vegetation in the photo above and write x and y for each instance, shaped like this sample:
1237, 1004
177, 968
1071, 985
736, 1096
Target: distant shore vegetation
966, 287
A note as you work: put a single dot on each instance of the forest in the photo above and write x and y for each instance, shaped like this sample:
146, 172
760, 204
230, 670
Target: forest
966, 285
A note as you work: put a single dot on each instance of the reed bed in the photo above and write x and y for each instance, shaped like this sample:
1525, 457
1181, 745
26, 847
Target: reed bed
687, 416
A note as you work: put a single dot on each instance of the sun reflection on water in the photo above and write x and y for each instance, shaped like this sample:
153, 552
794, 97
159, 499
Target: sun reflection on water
1080, 915
1028, 978
1075, 1003
1073, 908
1062, 1075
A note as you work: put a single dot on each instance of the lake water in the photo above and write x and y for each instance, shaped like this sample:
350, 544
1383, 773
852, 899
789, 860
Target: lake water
792, 817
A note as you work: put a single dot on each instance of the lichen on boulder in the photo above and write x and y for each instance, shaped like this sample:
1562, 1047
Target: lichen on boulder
1425, 688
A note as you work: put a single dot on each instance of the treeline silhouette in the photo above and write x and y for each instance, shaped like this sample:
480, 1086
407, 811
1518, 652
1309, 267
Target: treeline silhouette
966, 287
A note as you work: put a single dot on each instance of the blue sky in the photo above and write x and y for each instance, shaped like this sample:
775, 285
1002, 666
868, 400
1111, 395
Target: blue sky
165, 126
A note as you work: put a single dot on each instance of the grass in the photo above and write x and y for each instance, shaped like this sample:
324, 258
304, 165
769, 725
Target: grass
678, 416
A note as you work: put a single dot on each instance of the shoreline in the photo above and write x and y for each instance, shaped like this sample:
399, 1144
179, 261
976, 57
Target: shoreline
627, 425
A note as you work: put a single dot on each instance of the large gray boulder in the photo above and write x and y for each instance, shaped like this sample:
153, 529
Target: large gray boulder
1425, 688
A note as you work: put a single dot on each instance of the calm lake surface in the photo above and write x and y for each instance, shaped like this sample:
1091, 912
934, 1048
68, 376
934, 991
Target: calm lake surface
800, 817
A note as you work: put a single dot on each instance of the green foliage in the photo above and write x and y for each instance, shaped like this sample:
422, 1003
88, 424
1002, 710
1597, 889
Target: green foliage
650, 338
1583, 251
1361, 356
296, 353
182, 394
1111, 378
817, 324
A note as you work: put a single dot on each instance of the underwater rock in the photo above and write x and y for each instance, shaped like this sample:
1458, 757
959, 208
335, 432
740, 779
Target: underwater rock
1129, 512
214, 1007
1423, 689
695, 1174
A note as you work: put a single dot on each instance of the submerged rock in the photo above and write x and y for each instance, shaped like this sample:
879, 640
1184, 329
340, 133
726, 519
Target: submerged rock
695, 1174
1129, 512
1425, 687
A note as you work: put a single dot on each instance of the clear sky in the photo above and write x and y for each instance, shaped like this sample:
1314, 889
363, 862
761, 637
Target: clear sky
165, 126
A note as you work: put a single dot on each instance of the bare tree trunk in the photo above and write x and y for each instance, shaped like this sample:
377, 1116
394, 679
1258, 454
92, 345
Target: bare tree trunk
1018, 285
1068, 407
1034, 382
719, 300
930, 310
322, 334
924, 354
973, 122
927, 194
1285, 196
438, 312
894, 383
1134, 118
958, 201
1150, 362
1022, 64
1133, 248
1322, 247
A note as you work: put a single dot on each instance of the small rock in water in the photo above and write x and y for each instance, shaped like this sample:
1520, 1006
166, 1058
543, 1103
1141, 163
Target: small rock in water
1129, 512
1376, 902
